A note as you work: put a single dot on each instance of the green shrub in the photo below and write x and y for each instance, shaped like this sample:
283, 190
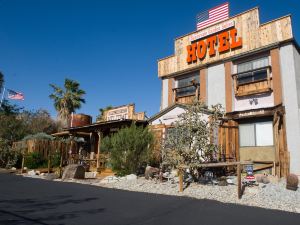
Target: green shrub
35, 160
55, 159
9, 157
128, 148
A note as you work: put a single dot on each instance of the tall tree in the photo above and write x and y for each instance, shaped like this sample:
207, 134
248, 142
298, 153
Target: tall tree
67, 99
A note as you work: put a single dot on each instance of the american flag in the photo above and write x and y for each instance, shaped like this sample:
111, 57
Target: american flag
15, 95
212, 16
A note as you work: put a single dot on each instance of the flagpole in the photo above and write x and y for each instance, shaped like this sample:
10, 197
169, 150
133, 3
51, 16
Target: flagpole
2, 97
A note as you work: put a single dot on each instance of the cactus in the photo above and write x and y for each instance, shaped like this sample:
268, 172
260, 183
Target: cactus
292, 182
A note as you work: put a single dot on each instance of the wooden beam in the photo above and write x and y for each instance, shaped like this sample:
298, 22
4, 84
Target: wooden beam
276, 76
180, 180
239, 180
228, 86
203, 80
23, 162
98, 153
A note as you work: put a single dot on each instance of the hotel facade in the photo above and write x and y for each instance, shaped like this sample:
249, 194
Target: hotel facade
253, 70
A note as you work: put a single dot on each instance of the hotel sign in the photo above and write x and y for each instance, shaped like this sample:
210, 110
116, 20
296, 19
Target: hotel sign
212, 30
215, 41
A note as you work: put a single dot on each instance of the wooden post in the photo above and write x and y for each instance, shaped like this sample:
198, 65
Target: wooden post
49, 160
239, 180
61, 160
23, 161
180, 180
98, 153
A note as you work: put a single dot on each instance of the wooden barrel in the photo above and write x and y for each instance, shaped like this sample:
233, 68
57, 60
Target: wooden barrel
78, 120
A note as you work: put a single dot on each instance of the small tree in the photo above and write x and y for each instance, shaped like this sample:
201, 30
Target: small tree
100, 117
129, 148
192, 141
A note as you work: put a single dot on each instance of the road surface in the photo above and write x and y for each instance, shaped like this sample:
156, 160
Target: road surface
35, 201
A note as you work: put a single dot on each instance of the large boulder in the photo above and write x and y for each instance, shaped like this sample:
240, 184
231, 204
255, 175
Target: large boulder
150, 172
292, 182
74, 171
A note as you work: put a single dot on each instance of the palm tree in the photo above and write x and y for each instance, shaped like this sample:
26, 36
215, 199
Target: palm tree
67, 100
100, 117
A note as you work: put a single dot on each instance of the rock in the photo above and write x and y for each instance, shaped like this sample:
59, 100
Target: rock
31, 173
292, 182
222, 181
265, 180
262, 178
51, 176
37, 172
74, 171
174, 173
13, 168
229, 181
131, 177
109, 179
150, 171
90, 175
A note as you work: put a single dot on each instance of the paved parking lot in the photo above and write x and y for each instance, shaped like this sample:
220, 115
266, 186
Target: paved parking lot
35, 201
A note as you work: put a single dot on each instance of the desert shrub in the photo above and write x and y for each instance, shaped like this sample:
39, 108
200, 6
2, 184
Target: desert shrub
128, 148
55, 159
9, 157
35, 160
38, 136
193, 140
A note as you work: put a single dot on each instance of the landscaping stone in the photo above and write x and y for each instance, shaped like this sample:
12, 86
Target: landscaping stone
150, 171
31, 173
292, 182
90, 175
74, 171
50, 176
131, 177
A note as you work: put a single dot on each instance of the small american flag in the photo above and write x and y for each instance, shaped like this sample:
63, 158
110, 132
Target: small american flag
15, 95
212, 16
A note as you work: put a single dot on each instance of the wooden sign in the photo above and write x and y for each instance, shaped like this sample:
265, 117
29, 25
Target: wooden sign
223, 42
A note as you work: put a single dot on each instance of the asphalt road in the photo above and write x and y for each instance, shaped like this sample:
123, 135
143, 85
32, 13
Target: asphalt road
35, 201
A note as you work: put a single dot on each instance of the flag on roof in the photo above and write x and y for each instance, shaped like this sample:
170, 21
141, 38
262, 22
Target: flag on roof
212, 16
15, 95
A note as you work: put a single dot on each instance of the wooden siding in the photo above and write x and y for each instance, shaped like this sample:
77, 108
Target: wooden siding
254, 35
203, 83
228, 86
170, 91
276, 76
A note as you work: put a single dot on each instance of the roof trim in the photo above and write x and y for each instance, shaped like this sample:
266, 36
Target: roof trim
168, 109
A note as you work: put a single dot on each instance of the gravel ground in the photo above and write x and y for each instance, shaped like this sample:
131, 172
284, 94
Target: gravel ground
272, 195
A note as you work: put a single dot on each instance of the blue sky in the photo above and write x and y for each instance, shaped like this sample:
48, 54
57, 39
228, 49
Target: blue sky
110, 47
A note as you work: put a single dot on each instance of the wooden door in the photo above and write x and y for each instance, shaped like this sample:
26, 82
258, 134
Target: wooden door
229, 141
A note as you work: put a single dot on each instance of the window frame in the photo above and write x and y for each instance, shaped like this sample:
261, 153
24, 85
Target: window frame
255, 134
257, 86
195, 83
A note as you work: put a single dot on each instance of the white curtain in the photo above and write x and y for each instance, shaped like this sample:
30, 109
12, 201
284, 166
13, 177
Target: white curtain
252, 65
264, 133
247, 135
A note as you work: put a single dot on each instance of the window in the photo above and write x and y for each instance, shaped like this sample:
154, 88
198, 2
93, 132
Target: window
188, 85
252, 70
256, 134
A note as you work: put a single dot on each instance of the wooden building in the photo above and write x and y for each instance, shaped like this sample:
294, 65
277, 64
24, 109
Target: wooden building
253, 70
115, 119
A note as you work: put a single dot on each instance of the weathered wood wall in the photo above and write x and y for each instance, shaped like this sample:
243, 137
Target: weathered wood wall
254, 35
